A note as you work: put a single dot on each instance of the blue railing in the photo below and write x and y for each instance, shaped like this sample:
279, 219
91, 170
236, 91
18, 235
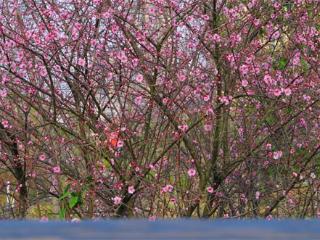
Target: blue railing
162, 229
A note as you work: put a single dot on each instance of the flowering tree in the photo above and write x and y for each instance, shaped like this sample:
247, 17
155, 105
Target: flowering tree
162, 108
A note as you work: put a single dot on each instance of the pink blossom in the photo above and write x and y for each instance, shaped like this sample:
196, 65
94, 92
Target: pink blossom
117, 200
42, 157
256, 22
206, 98
114, 29
138, 100
277, 5
139, 78
244, 83
231, 59
122, 56
306, 98
131, 189
209, 111
182, 77
120, 143
152, 10
205, 17
258, 195
43, 72
252, 3
210, 189
3, 93
277, 92
216, 38
107, 14
167, 188
276, 35
208, 127
268, 79
183, 127
56, 169
303, 122
191, 172
226, 99
287, 91
81, 62
244, 69
235, 39
151, 166
250, 92
296, 59
5, 123
165, 100
135, 62
277, 155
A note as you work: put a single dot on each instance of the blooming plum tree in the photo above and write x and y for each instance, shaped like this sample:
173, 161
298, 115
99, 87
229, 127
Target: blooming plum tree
163, 108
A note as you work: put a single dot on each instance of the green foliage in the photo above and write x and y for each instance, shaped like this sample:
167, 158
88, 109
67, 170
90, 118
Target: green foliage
151, 175
62, 213
288, 5
74, 200
281, 64
106, 164
183, 181
290, 110
270, 119
65, 193
304, 65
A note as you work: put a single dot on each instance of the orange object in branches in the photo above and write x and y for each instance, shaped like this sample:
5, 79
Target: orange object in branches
113, 139
114, 142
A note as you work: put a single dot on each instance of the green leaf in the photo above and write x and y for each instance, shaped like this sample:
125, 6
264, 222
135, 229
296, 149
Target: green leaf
106, 164
282, 63
65, 193
184, 181
62, 213
290, 110
66, 189
305, 66
74, 200
271, 119
288, 6
151, 174
89, 179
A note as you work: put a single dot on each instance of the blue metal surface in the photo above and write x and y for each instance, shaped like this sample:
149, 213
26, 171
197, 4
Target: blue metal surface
161, 229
